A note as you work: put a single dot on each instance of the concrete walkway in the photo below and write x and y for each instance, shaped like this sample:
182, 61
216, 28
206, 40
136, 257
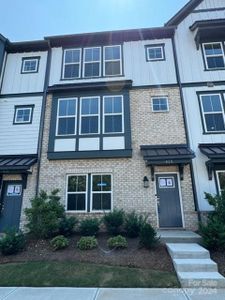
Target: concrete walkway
110, 294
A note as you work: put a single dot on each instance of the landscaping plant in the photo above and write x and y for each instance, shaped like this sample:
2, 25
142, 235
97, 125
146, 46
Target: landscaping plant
87, 243
89, 227
67, 225
117, 242
12, 242
114, 221
59, 242
148, 236
213, 232
44, 215
133, 223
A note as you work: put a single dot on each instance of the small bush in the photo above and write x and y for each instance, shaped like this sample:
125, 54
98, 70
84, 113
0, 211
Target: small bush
67, 226
87, 243
13, 242
89, 227
59, 242
133, 223
113, 221
148, 236
117, 242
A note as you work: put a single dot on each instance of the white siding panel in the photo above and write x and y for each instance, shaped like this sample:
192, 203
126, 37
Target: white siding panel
62, 145
89, 144
14, 82
208, 4
19, 139
113, 143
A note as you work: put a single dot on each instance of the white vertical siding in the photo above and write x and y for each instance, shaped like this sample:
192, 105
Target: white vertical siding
14, 82
19, 139
208, 4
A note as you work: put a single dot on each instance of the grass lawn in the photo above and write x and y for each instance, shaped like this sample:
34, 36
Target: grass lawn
72, 274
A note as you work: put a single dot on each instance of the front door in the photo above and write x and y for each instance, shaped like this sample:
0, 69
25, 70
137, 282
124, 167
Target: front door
11, 202
168, 201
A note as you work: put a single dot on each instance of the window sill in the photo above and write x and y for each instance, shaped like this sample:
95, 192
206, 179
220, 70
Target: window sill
216, 69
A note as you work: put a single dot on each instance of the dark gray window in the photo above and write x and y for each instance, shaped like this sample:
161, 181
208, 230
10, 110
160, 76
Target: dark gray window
89, 115
77, 193
23, 114
66, 117
71, 63
213, 112
92, 62
214, 55
160, 104
112, 61
30, 65
101, 192
155, 52
113, 114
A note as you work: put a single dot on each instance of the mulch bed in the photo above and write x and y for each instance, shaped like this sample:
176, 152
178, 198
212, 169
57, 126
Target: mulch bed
219, 257
133, 256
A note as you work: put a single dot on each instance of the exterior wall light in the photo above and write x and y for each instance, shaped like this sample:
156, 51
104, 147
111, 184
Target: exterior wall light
146, 182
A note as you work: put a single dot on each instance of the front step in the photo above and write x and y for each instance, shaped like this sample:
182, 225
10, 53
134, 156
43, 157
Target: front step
195, 265
188, 251
201, 279
179, 236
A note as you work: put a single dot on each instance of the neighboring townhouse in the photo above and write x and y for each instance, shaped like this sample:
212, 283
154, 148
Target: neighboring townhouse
21, 97
200, 46
114, 135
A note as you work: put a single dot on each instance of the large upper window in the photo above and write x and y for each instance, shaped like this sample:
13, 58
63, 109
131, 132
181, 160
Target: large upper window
92, 62
112, 61
213, 112
77, 193
214, 55
66, 117
113, 114
89, 115
71, 63
30, 64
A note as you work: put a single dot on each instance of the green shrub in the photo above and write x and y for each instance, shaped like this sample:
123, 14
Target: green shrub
44, 215
113, 221
213, 232
117, 242
59, 242
67, 225
87, 243
12, 242
133, 223
148, 236
89, 227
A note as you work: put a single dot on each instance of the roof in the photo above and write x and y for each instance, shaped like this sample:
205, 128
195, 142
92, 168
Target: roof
213, 151
16, 163
27, 46
183, 13
167, 154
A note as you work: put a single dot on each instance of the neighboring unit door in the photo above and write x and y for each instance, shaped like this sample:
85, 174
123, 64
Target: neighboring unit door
168, 201
11, 201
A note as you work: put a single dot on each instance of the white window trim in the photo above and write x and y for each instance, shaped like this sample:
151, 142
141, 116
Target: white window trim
86, 193
72, 63
211, 113
160, 97
23, 108
154, 47
113, 114
30, 59
112, 60
213, 55
218, 181
102, 192
89, 115
70, 116
93, 61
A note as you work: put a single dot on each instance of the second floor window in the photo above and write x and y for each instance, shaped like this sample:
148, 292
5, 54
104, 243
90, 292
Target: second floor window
30, 65
213, 112
214, 56
89, 116
23, 114
155, 52
160, 104
66, 117
113, 114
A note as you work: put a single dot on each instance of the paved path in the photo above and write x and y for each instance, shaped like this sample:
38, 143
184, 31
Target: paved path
110, 294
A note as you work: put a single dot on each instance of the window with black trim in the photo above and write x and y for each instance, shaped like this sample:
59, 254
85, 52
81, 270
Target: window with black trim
77, 193
89, 115
113, 114
212, 108
101, 192
92, 62
23, 114
30, 65
71, 63
66, 116
214, 55
160, 104
155, 52
221, 180
112, 61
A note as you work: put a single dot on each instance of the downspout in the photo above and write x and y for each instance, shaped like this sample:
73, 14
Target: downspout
42, 119
185, 125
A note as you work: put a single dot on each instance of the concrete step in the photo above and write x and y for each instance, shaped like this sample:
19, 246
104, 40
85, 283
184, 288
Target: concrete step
179, 236
201, 279
195, 265
189, 251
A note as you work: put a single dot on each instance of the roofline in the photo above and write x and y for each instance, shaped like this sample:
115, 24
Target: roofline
183, 13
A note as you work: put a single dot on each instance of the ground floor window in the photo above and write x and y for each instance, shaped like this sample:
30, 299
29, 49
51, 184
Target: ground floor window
221, 180
89, 192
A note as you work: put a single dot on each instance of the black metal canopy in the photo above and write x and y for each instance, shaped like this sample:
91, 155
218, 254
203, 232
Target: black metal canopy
16, 164
164, 155
216, 155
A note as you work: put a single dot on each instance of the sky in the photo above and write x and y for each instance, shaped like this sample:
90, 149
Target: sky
23, 20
